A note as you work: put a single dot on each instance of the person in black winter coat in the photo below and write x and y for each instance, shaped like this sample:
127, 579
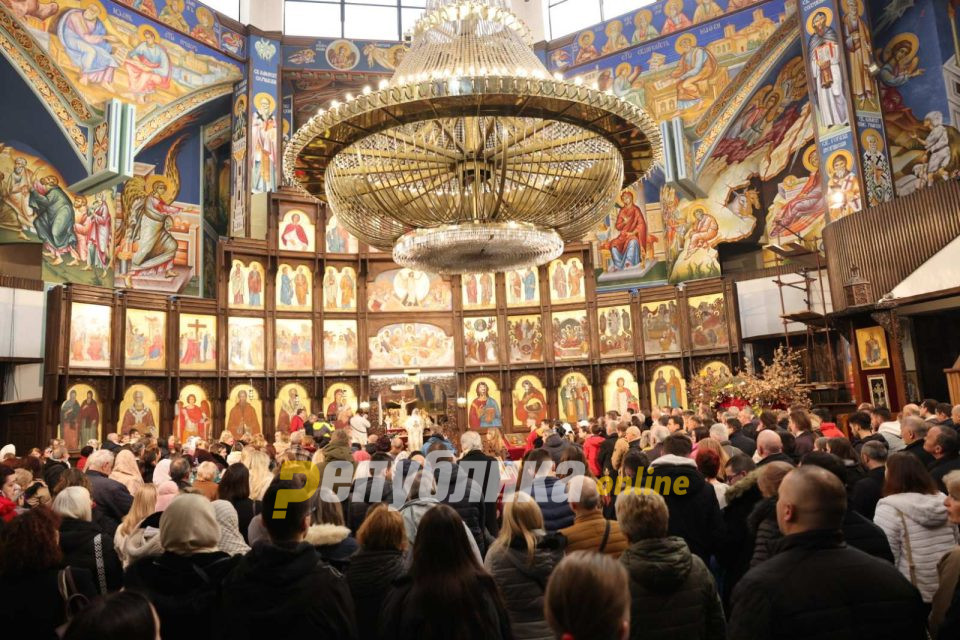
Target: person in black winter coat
184, 582
111, 497
694, 512
605, 451
332, 539
817, 586
672, 593
30, 569
234, 487
762, 521
485, 471
369, 491
521, 561
83, 543
858, 531
736, 547
463, 494
283, 586
377, 564
738, 438
55, 466
447, 593
868, 491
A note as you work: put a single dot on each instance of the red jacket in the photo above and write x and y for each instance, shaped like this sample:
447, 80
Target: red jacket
531, 437
591, 447
830, 430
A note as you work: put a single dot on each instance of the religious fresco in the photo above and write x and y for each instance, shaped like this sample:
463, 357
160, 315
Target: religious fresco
294, 287
339, 400
90, 335
80, 417
529, 400
676, 74
238, 161
192, 415
523, 287
483, 404
571, 335
339, 289
629, 244
145, 339
708, 321
479, 290
294, 345
575, 398
344, 55
525, 338
109, 51
480, 345
340, 345
409, 290
621, 392
615, 327
716, 368
566, 280
192, 18
245, 286
158, 243
668, 388
76, 232
916, 77
245, 344
410, 344
290, 399
244, 412
649, 23
198, 342
661, 327
264, 119
296, 232
337, 239
139, 410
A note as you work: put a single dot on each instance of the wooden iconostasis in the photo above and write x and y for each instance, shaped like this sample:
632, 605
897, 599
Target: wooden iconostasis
311, 317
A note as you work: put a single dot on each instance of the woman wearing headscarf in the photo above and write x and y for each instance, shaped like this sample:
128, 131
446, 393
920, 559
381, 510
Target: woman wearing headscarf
184, 581
230, 539
126, 472
161, 473
166, 492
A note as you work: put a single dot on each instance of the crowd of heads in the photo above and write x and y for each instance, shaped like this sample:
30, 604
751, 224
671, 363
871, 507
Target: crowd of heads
436, 530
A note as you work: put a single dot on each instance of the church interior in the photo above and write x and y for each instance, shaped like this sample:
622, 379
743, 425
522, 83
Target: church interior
255, 226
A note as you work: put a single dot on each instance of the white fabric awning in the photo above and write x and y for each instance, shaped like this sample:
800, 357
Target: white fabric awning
939, 273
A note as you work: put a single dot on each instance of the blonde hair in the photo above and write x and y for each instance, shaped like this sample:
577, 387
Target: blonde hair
74, 502
260, 476
952, 482
206, 471
144, 504
521, 518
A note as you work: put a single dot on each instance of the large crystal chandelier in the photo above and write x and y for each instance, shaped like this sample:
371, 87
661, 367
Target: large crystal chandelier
471, 157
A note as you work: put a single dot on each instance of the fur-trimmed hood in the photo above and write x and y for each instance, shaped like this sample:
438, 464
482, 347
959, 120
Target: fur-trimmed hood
326, 534
743, 485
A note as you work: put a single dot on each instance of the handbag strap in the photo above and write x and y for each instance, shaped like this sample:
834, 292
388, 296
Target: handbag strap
606, 536
98, 555
908, 549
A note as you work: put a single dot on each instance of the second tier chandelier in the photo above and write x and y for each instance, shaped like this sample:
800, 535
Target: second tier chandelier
472, 157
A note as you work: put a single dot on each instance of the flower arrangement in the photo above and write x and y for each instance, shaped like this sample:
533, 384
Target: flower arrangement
780, 385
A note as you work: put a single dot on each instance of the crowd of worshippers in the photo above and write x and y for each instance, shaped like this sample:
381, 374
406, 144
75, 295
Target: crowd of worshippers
788, 529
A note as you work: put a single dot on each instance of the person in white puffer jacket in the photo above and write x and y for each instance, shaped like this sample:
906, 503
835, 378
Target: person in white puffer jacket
914, 518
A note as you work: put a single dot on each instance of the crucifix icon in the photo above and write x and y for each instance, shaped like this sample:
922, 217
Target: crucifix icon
196, 326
